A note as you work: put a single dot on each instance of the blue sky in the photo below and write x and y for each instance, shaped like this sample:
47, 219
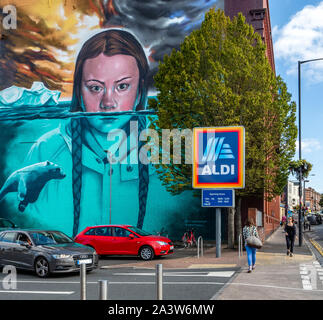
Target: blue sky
297, 31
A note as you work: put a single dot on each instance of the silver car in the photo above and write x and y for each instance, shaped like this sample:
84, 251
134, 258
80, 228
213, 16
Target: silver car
44, 252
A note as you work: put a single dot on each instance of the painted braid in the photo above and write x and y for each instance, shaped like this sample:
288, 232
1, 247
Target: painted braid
143, 178
76, 129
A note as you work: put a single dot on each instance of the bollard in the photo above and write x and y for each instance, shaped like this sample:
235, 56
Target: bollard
103, 289
83, 281
159, 281
240, 245
199, 245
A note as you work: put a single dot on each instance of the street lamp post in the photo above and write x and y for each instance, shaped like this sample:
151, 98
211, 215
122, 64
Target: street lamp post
300, 220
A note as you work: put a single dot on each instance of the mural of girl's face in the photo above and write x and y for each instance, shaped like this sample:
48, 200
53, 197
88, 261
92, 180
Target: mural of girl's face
110, 84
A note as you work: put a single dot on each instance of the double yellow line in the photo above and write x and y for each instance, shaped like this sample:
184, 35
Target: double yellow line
317, 246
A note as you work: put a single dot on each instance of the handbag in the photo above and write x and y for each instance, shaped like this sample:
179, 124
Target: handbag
254, 242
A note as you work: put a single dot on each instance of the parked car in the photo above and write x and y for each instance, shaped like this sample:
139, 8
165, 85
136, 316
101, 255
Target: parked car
318, 218
125, 240
44, 252
6, 224
312, 219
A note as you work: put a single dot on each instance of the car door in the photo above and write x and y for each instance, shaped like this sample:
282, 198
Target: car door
22, 251
123, 243
103, 240
6, 248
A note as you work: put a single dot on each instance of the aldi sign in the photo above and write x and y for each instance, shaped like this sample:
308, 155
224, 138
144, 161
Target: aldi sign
218, 158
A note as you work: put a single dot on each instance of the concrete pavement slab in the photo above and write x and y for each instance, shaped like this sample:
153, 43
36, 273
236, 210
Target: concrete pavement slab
277, 276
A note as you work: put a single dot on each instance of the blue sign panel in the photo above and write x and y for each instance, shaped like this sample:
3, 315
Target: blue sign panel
218, 158
217, 198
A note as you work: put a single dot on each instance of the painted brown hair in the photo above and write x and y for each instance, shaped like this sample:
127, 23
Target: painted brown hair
111, 42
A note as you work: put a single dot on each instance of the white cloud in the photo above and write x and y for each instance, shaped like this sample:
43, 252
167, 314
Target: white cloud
309, 145
302, 39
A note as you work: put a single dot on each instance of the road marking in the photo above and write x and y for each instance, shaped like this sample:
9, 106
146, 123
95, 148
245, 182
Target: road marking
201, 266
303, 272
38, 292
317, 246
53, 282
221, 274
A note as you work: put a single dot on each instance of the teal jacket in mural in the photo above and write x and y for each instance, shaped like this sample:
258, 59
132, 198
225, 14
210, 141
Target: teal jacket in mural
107, 189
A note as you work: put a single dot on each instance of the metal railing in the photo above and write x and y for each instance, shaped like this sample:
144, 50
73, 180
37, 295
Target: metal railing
240, 245
199, 246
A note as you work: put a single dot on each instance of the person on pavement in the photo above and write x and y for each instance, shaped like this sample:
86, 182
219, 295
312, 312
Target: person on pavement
249, 230
290, 232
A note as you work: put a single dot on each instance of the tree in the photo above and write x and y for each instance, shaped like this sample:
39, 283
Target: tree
221, 77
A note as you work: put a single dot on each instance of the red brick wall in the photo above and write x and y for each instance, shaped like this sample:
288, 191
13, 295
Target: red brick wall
257, 14
271, 215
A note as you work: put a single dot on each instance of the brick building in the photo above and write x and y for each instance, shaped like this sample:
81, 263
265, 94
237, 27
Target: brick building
266, 213
312, 199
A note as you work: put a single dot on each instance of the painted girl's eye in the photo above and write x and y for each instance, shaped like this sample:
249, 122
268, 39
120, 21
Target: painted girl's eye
123, 86
96, 89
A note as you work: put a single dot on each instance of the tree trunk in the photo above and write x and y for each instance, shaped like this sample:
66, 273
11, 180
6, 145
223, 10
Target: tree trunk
237, 219
231, 237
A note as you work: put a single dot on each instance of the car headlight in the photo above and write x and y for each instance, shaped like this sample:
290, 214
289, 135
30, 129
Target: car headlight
162, 243
61, 256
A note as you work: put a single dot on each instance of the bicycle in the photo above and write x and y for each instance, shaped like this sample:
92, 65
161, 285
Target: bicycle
189, 239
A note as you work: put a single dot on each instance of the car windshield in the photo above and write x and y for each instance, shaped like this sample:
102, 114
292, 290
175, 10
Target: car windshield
45, 237
139, 231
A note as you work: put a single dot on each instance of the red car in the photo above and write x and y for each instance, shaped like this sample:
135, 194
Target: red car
124, 240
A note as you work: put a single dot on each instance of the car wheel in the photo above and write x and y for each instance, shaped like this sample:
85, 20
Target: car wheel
42, 267
146, 253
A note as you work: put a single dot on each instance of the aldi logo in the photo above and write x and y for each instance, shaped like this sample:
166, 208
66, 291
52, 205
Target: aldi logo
218, 160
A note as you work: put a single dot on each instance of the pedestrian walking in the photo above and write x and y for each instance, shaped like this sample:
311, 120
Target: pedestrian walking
290, 232
249, 232
283, 222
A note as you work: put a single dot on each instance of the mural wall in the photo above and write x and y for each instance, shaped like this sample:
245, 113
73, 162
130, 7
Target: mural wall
71, 73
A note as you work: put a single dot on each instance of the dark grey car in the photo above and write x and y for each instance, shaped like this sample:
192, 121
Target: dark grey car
44, 252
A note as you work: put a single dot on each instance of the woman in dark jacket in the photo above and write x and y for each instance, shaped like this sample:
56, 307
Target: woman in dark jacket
290, 232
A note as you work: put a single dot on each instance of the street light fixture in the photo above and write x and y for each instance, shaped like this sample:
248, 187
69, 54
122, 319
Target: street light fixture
300, 220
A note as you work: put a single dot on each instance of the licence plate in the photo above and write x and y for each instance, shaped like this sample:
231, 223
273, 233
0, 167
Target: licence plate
171, 247
84, 261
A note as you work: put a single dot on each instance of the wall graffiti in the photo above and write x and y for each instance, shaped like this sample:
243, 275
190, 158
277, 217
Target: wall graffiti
72, 72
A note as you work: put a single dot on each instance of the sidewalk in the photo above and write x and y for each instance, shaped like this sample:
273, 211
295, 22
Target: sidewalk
278, 276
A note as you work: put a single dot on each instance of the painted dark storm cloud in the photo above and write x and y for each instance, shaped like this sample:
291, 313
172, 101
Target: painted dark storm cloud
160, 25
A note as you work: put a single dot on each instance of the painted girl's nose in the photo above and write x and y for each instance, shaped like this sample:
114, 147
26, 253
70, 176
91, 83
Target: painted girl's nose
108, 102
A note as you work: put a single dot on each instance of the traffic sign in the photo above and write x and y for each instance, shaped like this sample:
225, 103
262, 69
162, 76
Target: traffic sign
218, 158
218, 198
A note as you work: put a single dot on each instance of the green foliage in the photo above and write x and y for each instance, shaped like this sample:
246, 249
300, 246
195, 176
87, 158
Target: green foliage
300, 165
221, 77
